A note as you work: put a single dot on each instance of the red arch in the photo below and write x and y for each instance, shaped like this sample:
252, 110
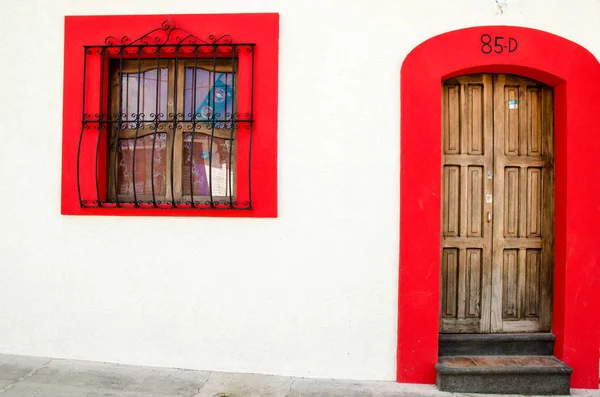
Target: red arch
575, 75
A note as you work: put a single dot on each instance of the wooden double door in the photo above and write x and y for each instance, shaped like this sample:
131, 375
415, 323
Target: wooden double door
497, 205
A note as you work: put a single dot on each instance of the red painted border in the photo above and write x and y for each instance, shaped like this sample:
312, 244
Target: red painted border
575, 75
260, 29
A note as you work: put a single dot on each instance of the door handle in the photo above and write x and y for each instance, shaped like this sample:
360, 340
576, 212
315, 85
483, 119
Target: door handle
489, 217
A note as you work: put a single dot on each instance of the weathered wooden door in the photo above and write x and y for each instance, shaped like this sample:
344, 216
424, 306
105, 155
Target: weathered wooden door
497, 205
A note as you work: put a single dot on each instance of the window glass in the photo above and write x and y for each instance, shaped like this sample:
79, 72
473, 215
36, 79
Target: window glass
145, 171
213, 93
149, 101
197, 162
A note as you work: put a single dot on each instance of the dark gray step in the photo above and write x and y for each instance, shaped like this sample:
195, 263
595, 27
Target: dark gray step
534, 344
541, 375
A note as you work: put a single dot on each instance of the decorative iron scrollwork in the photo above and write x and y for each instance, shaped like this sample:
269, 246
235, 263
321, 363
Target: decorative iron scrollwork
98, 124
167, 34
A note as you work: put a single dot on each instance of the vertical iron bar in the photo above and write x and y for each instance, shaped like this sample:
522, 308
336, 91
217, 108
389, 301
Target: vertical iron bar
119, 120
100, 121
232, 125
223, 118
216, 120
174, 123
156, 118
251, 126
212, 134
143, 95
126, 105
137, 125
193, 114
83, 124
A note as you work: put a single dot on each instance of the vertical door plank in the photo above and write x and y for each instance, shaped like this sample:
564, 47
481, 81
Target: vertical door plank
523, 222
510, 277
511, 146
474, 201
488, 158
547, 228
462, 282
450, 280
522, 110
534, 125
532, 288
534, 202
473, 283
463, 200
511, 201
466, 235
521, 283
522, 201
452, 119
502, 144
475, 119
451, 200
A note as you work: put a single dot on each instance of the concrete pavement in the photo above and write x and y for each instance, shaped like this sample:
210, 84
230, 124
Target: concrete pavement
23, 376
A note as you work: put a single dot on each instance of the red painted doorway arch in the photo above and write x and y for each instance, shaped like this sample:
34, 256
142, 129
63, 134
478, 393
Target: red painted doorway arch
575, 75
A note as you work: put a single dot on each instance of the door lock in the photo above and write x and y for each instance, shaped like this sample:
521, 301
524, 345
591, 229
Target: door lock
489, 217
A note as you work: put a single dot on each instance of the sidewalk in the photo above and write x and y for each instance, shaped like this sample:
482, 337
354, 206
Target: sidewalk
22, 376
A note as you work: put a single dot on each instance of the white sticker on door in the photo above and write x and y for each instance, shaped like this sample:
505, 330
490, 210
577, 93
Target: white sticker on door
513, 104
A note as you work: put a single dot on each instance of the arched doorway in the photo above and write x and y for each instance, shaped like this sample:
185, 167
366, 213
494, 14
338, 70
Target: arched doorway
574, 75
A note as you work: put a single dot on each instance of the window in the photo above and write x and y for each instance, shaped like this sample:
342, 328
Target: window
170, 121
155, 157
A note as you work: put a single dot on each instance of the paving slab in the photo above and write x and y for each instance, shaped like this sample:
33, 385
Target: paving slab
26, 389
56, 378
221, 384
13, 368
172, 382
43, 377
104, 376
306, 387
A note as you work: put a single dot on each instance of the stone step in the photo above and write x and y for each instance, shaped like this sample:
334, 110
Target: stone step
530, 375
530, 344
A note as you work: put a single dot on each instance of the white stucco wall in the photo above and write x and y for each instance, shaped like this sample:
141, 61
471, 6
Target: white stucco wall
311, 293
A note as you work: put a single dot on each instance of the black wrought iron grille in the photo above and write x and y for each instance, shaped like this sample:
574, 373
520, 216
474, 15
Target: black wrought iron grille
167, 122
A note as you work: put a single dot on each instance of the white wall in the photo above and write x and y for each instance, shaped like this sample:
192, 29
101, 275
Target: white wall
312, 293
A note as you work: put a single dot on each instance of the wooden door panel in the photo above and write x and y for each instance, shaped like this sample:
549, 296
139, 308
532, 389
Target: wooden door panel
452, 107
496, 273
467, 236
473, 282
450, 281
510, 272
523, 206
511, 201
474, 120
475, 201
534, 126
532, 283
451, 203
534, 202
511, 137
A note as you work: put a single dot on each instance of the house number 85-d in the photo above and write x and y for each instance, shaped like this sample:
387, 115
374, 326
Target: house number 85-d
498, 44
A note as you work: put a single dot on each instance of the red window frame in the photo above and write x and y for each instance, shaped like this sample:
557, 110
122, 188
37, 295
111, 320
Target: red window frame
260, 29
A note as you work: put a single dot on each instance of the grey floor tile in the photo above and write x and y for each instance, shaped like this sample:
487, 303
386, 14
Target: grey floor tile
15, 367
221, 384
26, 389
41, 377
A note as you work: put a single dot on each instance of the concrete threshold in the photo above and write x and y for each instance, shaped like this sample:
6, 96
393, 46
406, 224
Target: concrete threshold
24, 376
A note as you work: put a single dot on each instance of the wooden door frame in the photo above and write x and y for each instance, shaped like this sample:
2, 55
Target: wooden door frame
574, 73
